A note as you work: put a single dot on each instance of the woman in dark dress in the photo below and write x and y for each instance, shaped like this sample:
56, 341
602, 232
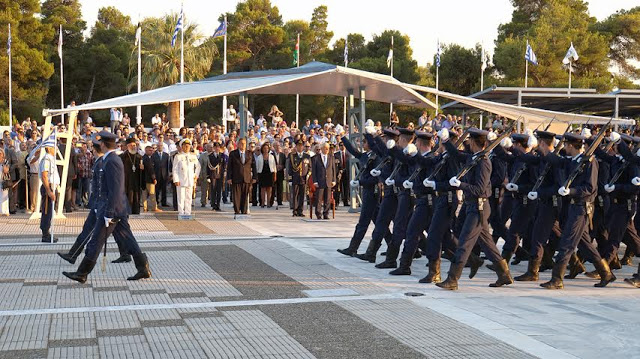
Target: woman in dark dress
266, 167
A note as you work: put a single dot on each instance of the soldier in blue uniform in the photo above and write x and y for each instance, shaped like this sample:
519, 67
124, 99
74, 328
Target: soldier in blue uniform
111, 209
476, 188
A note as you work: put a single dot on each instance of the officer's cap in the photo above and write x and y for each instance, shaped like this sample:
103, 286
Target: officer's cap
424, 135
574, 137
545, 135
106, 136
391, 132
405, 131
477, 133
520, 137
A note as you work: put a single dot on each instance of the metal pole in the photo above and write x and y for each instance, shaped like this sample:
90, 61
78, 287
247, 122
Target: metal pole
519, 128
10, 104
437, 89
139, 108
352, 162
242, 107
182, 67
297, 95
481, 84
224, 72
392, 55
570, 71
526, 73
61, 77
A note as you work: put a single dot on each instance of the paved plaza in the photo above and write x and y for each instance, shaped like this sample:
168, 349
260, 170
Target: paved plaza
273, 286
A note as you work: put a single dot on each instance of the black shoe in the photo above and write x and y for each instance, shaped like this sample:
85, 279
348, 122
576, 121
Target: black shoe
47, 239
142, 265
504, 276
531, 275
402, 270
67, 257
203, 205
575, 267
434, 273
122, 259
366, 257
557, 273
505, 255
348, 252
80, 275
451, 283
387, 265
325, 217
606, 276
475, 262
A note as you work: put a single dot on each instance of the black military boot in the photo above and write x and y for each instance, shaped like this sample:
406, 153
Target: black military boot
504, 276
68, 257
521, 255
547, 259
606, 276
448, 255
405, 265
125, 257
615, 263
80, 275
531, 275
434, 273
46, 238
451, 283
635, 279
474, 262
370, 254
576, 267
627, 260
142, 265
73, 254
390, 260
506, 255
556, 277
348, 252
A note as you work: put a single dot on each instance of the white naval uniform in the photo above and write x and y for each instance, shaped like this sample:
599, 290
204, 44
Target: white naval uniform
186, 169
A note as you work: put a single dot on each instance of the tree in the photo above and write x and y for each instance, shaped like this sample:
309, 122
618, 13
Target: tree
161, 61
622, 31
459, 71
320, 36
30, 69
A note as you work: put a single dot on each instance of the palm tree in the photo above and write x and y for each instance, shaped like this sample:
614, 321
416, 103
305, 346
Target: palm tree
161, 61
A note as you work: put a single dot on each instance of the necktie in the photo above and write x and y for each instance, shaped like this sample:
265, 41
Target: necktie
242, 157
324, 160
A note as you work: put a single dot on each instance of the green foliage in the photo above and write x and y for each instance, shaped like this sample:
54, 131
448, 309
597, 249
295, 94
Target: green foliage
622, 31
459, 69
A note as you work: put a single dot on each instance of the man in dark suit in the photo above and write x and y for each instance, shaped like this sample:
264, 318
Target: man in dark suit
324, 179
241, 174
149, 182
161, 167
112, 212
215, 174
342, 189
280, 165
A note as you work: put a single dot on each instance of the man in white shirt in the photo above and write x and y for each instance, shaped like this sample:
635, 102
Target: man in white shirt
116, 118
186, 170
156, 120
50, 181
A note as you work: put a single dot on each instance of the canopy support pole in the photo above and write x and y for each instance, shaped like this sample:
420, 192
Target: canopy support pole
519, 128
352, 160
242, 108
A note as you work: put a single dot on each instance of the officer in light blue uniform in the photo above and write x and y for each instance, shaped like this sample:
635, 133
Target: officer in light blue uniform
112, 212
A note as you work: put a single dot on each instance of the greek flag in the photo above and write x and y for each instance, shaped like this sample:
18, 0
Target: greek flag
178, 28
221, 30
138, 34
50, 141
530, 56
60, 44
346, 53
572, 54
9, 42
484, 60
438, 55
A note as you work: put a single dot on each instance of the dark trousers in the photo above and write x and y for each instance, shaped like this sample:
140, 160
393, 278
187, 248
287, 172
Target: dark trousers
520, 220
216, 192
476, 228
22, 193
386, 211
401, 218
85, 236
298, 198
175, 196
575, 231
345, 189
545, 225
82, 194
439, 232
619, 222
322, 199
161, 191
46, 209
133, 196
495, 220
68, 205
367, 212
100, 233
416, 225
254, 195
278, 188
240, 197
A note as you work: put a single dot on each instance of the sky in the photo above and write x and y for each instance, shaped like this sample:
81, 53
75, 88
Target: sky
466, 22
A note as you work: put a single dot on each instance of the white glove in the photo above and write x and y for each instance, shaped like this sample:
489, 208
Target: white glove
609, 188
355, 183
411, 150
107, 221
454, 182
563, 191
391, 144
638, 153
506, 142
614, 137
369, 123
585, 132
512, 187
389, 182
532, 141
532, 196
492, 136
443, 134
555, 142
406, 184
370, 130
635, 181
429, 184
375, 173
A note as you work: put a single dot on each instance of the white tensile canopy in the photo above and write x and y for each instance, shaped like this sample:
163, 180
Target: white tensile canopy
317, 78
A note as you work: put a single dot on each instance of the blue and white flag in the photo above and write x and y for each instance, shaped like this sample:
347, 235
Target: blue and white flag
572, 54
178, 28
50, 141
346, 53
221, 30
530, 56
438, 55
9, 42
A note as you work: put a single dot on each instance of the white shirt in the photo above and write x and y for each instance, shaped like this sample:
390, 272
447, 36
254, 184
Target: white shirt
324, 160
186, 168
156, 120
48, 164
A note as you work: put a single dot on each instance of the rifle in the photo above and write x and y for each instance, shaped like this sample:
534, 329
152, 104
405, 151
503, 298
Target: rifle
483, 153
549, 125
587, 156
440, 165
622, 168
547, 166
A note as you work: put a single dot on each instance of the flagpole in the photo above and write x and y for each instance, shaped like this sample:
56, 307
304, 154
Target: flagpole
526, 67
182, 65
344, 102
10, 101
61, 73
139, 108
392, 54
224, 72
481, 79
298, 95
570, 71
437, 78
